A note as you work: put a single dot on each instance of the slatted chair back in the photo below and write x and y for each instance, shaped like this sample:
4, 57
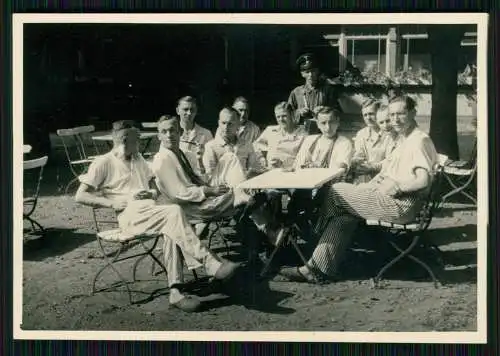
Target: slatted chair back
32, 178
104, 219
433, 199
149, 125
78, 145
154, 144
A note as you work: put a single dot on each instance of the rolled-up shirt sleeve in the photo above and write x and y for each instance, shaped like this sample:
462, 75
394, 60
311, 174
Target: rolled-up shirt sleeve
171, 184
96, 173
424, 156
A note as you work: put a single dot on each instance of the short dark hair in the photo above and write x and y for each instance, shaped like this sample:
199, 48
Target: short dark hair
371, 102
167, 118
230, 110
326, 110
410, 104
240, 99
284, 106
187, 99
123, 125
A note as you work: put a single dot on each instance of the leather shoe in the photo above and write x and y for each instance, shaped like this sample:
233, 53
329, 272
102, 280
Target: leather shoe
188, 304
226, 270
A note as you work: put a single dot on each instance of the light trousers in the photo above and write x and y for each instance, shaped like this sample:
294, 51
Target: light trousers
145, 216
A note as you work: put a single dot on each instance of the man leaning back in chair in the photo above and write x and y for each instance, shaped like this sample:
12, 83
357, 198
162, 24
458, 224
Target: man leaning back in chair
120, 179
395, 195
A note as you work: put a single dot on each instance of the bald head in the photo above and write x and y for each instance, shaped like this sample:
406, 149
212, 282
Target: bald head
229, 123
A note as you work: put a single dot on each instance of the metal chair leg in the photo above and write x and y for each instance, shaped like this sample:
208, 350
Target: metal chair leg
378, 277
71, 182
110, 264
420, 262
217, 231
150, 253
34, 224
459, 189
429, 270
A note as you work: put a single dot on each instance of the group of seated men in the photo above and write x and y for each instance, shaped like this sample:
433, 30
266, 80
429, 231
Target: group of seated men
194, 176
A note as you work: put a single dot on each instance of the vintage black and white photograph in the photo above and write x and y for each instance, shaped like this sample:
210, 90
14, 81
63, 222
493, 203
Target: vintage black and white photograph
195, 176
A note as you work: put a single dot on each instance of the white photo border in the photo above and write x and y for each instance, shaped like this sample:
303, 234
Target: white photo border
480, 19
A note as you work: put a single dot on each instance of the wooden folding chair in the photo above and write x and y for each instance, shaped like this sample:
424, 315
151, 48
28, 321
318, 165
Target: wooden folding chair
460, 175
413, 230
33, 173
80, 150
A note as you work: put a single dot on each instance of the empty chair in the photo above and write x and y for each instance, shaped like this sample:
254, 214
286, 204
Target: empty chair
33, 173
149, 125
460, 176
152, 144
80, 150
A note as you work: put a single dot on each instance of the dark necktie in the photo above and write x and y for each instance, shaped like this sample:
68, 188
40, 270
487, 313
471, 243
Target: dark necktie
193, 177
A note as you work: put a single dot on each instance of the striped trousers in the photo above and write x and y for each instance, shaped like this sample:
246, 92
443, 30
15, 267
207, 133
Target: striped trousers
343, 207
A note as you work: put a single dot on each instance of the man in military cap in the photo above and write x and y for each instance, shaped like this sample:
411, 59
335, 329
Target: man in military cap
313, 93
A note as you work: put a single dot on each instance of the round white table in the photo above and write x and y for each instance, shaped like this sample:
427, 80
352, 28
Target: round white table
108, 138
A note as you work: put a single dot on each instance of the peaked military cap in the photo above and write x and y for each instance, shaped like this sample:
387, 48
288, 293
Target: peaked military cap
306, 61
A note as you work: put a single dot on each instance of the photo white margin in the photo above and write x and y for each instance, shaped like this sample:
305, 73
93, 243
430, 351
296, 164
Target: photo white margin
480, 19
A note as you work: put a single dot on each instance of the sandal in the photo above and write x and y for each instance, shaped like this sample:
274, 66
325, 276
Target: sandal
293, 274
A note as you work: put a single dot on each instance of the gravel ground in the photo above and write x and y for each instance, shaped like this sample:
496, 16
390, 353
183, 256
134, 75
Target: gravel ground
58, 270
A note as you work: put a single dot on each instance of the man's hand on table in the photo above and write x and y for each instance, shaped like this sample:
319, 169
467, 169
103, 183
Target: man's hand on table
215, 191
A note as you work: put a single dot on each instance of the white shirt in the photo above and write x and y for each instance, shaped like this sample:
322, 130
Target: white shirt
197, 135
172, 180
244, 151
280, 144
372, 146
118, 180
339, 148
415, 151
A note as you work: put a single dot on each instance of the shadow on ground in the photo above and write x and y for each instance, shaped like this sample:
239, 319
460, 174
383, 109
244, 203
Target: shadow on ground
56, 242
451, 265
